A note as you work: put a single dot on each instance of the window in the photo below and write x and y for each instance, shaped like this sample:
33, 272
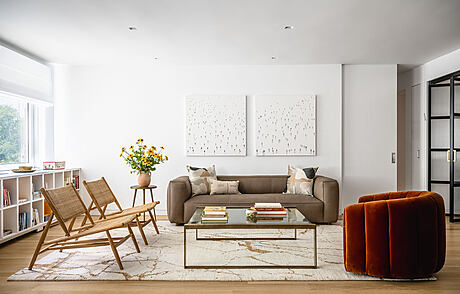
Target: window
25, 131
14, 130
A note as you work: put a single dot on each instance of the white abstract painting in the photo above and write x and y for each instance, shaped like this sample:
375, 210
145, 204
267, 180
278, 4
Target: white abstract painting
215, 125
285, 125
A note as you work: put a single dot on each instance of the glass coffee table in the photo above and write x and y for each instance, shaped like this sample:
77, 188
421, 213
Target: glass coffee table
237, 220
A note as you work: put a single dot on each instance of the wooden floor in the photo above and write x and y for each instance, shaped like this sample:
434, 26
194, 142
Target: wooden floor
16, 254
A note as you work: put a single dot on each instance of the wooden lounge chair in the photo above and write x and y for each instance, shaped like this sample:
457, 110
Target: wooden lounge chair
102, 196
66, 204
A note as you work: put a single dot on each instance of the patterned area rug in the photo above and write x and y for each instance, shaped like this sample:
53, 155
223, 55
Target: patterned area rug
162, 259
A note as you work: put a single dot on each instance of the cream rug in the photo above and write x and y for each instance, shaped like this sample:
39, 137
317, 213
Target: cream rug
162, 259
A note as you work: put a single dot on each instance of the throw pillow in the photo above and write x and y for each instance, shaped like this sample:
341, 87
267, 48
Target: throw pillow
298, 182
310, 172
224, 187
199, 179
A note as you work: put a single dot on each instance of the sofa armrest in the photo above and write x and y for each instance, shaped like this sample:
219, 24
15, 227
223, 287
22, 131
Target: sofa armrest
179, 190
327, 190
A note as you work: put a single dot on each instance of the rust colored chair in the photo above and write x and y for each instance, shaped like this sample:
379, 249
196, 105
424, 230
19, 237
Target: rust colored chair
395, 235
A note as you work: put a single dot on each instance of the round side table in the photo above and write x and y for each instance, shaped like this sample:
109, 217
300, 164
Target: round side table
150, 187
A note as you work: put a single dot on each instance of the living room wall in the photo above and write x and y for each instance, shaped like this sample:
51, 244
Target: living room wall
99, 109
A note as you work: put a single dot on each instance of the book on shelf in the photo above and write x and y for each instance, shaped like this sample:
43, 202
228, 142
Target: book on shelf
22, 200
6, 197
214, 208
24, 220
268, 206
214, 214
6, 232
214, 218
76, 182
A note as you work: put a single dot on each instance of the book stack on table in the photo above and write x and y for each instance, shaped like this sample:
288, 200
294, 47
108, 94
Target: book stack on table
214, 214
268, 211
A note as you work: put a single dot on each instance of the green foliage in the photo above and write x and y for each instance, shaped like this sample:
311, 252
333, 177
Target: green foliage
10, 141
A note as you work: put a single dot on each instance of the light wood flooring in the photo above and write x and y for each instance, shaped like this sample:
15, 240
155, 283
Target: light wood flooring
16, 254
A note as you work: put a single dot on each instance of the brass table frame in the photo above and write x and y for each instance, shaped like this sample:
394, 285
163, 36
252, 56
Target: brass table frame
226, 226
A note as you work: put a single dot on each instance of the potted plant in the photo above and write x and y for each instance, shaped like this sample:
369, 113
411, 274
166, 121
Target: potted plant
143, 160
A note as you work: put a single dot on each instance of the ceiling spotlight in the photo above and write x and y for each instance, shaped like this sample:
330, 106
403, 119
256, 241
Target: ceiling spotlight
288, 27
155, 58
273, 57
132, 28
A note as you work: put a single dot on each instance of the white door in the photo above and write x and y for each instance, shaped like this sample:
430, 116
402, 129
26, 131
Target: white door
418, 140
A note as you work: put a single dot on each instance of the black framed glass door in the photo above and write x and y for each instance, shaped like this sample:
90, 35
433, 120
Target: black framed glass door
443, 144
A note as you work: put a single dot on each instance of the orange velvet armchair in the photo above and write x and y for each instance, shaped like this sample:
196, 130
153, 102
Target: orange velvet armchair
395, 235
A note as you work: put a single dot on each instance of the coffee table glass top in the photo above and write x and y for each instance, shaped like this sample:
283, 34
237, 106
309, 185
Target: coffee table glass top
237, 216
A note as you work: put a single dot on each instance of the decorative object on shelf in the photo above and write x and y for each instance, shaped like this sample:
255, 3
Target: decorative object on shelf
285, 125
24, 169
143, 160
215, 125
53, 165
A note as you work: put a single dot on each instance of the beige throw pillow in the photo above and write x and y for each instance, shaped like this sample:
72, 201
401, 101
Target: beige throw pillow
199, 179
298, 182
224, 187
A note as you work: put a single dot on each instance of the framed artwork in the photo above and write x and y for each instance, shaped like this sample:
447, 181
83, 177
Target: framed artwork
285, 125
215, 125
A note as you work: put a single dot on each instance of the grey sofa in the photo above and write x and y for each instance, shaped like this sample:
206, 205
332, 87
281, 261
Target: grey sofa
322, 208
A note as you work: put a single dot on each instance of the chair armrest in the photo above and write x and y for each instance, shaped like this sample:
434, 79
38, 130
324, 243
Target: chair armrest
327, 190
179, 190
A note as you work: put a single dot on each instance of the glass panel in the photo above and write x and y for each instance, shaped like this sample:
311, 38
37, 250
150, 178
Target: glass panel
457, 97
13, 130
443, 190
440, 101
440, 133
457, 201
440, 166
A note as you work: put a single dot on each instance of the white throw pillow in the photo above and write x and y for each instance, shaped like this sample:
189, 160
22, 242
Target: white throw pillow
199, 179
298, 182
224, 187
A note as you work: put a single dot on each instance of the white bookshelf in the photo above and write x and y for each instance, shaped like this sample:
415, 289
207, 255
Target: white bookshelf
22, 186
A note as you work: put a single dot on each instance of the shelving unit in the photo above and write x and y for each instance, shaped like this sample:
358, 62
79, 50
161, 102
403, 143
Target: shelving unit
23, 186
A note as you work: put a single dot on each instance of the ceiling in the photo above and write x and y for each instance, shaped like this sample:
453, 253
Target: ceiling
238, 32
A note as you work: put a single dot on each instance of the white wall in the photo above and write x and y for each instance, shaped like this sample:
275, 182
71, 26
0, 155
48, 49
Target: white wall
369, 130
99, 109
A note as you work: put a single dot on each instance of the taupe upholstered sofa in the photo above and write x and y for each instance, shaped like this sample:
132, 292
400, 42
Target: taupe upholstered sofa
322, 208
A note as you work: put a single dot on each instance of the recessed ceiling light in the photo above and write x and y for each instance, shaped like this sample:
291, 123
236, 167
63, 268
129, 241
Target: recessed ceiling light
155, 58
132, 28
273, 57
289, 27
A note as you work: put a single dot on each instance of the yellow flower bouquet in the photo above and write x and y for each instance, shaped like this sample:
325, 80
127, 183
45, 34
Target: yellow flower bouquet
142, 159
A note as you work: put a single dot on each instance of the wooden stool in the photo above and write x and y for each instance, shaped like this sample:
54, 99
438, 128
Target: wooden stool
150, 187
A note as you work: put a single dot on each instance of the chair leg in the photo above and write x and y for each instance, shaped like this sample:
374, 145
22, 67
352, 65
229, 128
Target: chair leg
141, 230
133, 238
154, 222
40, 243
114, 249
